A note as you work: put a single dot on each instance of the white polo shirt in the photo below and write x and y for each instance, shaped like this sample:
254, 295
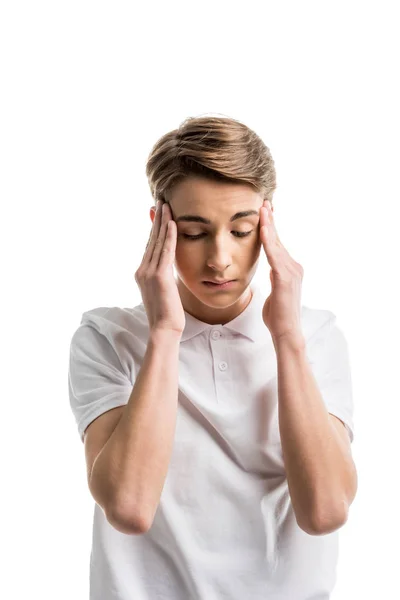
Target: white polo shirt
225, 526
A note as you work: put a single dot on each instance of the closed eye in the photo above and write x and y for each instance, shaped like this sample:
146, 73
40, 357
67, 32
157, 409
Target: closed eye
237, 233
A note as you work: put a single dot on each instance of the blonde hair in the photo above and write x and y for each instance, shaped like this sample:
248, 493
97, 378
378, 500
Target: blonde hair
216, 148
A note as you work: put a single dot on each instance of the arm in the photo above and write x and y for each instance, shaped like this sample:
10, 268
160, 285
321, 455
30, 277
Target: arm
322, 477
129, 473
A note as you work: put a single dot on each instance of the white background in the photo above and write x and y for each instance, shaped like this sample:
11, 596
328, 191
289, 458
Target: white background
87, 88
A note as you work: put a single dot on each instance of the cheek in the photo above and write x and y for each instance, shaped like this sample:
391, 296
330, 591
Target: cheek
186, 255
257, 252
254, 252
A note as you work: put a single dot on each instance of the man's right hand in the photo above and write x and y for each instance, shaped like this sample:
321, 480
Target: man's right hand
155, 276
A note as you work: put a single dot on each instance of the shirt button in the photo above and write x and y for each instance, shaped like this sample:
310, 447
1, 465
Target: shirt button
215, 335
223, 366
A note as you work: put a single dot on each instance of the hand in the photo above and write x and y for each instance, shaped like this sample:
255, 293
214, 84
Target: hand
155, 276
282, 309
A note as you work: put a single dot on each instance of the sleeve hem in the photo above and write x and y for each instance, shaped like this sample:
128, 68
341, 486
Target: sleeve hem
112, 402
348, 425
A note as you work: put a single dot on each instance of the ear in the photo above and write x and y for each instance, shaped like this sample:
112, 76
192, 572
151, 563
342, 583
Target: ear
152, 213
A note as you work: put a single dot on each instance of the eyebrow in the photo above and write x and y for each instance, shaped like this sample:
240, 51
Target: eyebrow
198, 219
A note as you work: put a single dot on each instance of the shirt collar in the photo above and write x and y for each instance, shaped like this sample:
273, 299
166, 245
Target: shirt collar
249, 323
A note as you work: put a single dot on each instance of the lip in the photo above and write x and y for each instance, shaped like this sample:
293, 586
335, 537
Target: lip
220, 286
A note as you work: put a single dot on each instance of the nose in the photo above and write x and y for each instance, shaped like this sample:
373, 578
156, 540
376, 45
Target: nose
219, 258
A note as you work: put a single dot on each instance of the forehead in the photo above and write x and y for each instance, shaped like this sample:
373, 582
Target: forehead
212, 196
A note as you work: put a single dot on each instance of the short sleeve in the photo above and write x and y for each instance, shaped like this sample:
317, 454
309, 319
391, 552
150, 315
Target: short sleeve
332, 371
96, 380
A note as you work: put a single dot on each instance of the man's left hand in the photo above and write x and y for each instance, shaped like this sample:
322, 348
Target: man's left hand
282, 309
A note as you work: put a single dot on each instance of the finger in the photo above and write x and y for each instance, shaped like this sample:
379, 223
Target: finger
271, 224
168, 251
270, 244
159, 243
264, 217
148, 254
267, 220
264, 223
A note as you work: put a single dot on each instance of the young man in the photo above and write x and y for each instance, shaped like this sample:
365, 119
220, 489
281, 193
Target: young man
217, 423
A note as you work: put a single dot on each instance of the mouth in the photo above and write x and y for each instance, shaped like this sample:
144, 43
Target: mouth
221, 286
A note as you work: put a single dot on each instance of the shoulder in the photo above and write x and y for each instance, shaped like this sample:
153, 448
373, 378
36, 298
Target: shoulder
111, 334
111, 321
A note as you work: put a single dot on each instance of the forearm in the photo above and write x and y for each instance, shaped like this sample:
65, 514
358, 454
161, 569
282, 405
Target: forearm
132, 466
317, 468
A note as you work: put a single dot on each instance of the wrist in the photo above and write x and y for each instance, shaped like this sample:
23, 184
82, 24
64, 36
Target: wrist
294, 340
164, 336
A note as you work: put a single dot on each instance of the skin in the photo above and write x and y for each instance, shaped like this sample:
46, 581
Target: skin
219, 253
323, 482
